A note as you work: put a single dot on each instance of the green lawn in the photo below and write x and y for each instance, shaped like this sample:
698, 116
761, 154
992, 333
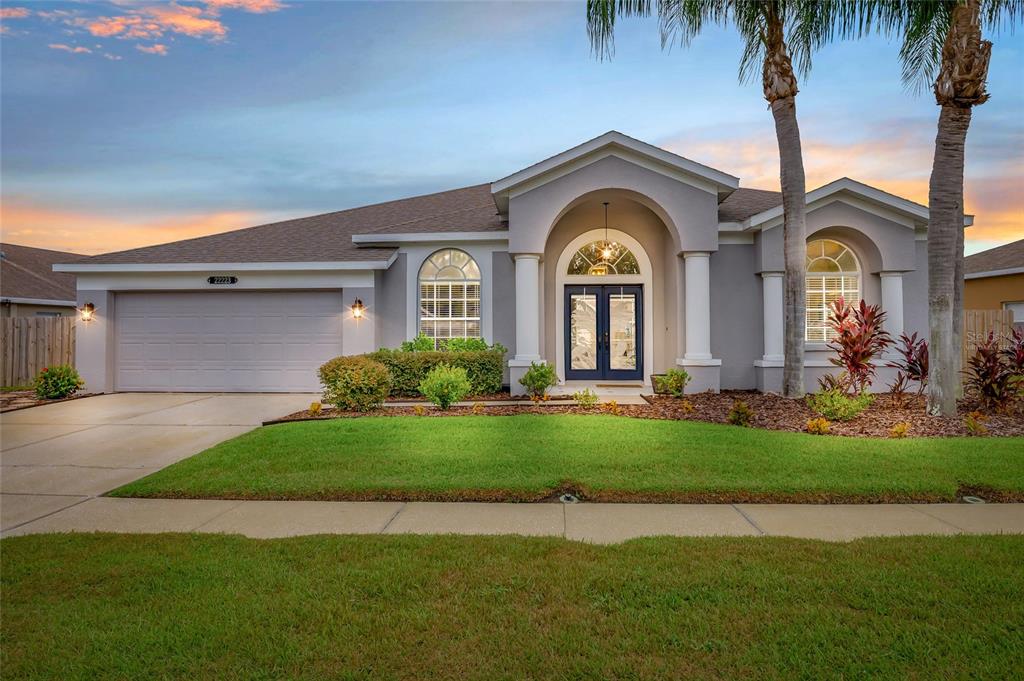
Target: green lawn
215, 607
611, 458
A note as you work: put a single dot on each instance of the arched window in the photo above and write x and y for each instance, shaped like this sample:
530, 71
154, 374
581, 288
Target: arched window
832, 271
599, 258
450, 296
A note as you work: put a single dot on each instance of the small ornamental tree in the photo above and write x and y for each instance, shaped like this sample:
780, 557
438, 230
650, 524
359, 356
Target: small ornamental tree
859, 339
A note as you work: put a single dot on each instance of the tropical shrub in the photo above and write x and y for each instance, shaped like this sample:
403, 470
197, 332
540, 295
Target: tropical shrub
445, 385
355, 383
990, 378
859, 339
912, 364
612, 407
1014, 352
975, 423
818, 426
419, 410
836, 405
315, 408
420, 343
740, 414
485, 368
537, 379
673, 382
471, 345
58, 381
900, 430
585, 398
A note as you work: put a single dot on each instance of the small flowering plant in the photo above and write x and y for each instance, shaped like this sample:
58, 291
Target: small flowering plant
56, 382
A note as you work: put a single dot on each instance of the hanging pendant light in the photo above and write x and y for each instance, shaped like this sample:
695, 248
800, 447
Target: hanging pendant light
607, 250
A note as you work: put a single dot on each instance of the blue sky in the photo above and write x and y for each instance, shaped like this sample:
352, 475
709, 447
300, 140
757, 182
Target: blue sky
129, 123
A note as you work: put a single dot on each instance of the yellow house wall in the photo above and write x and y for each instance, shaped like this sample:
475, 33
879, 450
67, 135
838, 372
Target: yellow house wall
991, 292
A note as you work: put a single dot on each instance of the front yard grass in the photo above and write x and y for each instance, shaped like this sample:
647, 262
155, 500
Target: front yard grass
604, 458
226, 607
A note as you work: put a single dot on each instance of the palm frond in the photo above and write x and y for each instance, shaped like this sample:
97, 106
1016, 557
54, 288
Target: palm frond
601, 15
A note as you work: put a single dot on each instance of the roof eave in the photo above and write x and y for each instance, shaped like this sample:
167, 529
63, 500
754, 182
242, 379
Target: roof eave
326, 266
427, 237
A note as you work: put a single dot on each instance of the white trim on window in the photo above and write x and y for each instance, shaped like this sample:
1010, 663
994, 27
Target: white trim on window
449, 298
825, 287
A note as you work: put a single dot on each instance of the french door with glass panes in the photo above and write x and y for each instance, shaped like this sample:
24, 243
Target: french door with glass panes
603, 333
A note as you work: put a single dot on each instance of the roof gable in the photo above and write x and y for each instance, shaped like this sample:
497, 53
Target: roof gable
1005, 259
27, 272
612, 143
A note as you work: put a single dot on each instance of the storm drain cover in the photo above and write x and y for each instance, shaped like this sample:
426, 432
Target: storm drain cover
974, 500
568, 499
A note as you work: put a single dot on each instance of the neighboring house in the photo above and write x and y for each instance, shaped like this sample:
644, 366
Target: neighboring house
28, 285
688, 273
994, 280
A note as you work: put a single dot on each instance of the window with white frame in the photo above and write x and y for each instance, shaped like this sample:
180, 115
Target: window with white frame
449, 282
832, 271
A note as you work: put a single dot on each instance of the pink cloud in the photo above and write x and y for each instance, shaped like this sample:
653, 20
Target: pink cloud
69, 48
14, 12
253, 6
153, 49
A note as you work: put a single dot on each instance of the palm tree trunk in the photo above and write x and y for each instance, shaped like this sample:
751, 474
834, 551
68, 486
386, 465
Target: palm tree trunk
794, 236
945, 236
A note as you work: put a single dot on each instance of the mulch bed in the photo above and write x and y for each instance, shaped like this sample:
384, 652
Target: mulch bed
770, 412
24, 399
491, 397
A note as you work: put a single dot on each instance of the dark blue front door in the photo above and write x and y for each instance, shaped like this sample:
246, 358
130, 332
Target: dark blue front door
603, 333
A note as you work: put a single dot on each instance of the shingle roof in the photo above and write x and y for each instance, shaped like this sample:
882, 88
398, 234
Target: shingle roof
328, 237
1005, 257
27, 272
743, 203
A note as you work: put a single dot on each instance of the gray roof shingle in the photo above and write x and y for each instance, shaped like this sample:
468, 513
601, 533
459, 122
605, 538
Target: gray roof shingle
1005, 257
27, 272
328, 237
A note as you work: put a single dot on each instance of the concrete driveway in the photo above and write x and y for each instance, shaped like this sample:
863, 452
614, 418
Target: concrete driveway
59, 455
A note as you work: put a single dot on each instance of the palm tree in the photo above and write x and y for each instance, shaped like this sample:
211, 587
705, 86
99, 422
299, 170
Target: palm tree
763, 25
943, 45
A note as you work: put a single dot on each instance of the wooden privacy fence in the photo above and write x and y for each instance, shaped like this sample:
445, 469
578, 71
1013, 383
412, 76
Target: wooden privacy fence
978, 324
27, 344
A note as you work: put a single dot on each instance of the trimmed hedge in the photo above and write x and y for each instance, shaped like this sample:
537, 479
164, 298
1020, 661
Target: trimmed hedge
355, 383
408, 369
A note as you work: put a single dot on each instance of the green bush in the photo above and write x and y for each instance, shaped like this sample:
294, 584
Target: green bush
586, 398
445, 385
836, 405
420, 343
56, 382
538, 378
673, 382
740, 414
485, 368
355, 383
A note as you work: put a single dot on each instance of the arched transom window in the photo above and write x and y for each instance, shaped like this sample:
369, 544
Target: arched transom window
599, 258
450, 296
832, 271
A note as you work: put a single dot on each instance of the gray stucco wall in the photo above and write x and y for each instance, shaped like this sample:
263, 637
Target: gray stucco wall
390, 313
736, 314
504, 301
691, 214
915, 294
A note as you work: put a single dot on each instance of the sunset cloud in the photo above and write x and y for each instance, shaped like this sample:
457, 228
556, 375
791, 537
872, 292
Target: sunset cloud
898, 161
252, 6
153, 49
90, 234
14, 12
69, 48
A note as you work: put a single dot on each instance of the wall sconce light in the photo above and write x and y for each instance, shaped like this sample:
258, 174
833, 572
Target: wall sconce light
358, 309
87, 311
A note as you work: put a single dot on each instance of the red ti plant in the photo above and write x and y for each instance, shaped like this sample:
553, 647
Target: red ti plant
859, 339
1014, 354
990, 377
913, 362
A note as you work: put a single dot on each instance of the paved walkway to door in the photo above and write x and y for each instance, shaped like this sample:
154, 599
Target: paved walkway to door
57, 461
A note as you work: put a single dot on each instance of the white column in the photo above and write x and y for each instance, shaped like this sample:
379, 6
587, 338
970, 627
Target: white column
772, 302
527, 307
697, 277
892, 302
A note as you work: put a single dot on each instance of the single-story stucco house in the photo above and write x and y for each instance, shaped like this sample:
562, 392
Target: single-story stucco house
686, 272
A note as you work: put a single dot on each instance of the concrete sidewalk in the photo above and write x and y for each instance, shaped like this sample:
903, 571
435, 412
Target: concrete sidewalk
600, 523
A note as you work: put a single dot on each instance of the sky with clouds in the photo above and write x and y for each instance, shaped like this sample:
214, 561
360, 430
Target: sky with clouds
126, 123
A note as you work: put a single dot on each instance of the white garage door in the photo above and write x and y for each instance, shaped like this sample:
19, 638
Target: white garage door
226, 341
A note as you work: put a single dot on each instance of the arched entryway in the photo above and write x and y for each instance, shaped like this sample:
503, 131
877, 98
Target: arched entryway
604, 321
